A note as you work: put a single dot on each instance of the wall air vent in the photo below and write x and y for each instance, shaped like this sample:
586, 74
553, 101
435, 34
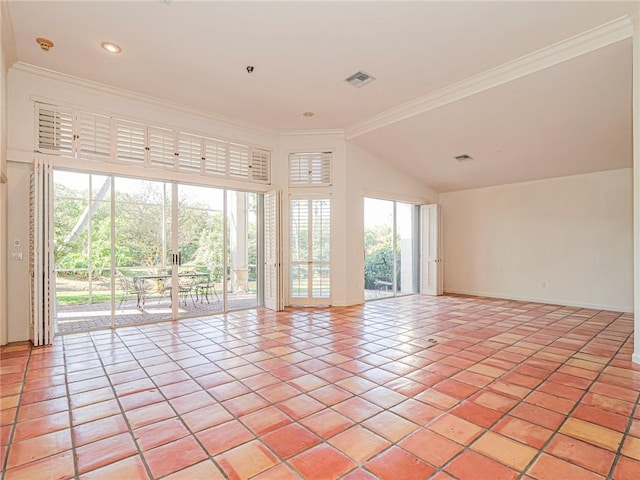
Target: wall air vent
359, 79
463, 158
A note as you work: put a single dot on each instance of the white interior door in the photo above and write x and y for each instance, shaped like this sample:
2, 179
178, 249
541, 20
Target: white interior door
431, 273
310, 262
272, 251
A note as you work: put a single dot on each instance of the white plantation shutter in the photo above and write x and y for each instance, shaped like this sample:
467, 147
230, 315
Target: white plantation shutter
189, 153
93, 135
320, 171
215, 157
130, 142
162, 147
238, 161
273, 298
260, 165
86, 135
310, 169
41, 252
298, 169
55, 130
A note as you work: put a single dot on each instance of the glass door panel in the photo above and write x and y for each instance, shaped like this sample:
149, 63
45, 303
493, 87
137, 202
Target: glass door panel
142, 250
299, 247
82, 236
378, 248
201, 250
407, 249
320, 239
242, 250
391, 243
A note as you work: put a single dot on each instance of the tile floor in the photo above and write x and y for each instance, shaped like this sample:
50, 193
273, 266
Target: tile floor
409, 388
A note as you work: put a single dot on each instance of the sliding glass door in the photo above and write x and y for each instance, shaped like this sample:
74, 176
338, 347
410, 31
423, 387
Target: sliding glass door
391, 243
132, 251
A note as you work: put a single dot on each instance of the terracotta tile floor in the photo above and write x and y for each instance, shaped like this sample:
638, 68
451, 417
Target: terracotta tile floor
408, 388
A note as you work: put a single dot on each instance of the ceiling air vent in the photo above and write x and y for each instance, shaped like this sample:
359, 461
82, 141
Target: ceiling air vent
359, 79
463, 158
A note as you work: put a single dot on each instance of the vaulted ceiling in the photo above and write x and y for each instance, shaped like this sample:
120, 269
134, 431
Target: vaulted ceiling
529, 90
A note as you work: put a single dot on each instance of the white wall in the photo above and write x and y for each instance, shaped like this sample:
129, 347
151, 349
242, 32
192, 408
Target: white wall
574, 233
368, 176
18, 271
7, 57
636, 181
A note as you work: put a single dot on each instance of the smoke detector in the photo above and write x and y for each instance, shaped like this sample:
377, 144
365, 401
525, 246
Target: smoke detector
359, 79
463, 158
45, 43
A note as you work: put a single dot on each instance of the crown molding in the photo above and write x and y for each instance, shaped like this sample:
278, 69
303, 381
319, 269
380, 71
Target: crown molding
599, 37
8, 38
313, 133
138, 97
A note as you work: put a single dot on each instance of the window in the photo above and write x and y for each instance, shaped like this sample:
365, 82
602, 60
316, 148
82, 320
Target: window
78, 134
310, 169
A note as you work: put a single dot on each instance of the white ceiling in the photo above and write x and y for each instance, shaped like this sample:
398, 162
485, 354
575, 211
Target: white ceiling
574, 117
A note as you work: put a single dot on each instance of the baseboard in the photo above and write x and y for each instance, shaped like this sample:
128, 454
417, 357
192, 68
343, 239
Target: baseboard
549, 301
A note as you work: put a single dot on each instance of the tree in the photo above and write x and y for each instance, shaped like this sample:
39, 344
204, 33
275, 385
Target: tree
378, 263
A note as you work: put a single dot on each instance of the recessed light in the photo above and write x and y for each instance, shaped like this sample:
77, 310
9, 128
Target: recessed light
308, 114
111, 47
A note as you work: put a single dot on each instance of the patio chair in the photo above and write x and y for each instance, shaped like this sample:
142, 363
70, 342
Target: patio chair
205, 287
128, 289
186, 286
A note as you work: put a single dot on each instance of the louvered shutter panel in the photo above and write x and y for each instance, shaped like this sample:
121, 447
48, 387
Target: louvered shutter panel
310, 169
94, 136
130, 142
189, 153
298, 169
215, 157
238, 161
55, 130
320, 169
260, 165
162, 147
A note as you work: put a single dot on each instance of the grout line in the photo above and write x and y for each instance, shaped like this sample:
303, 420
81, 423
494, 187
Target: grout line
172, 340
14, 424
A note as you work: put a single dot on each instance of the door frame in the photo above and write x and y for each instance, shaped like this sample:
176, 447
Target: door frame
309, 300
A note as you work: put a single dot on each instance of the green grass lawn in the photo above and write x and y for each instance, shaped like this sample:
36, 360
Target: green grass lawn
81, 298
